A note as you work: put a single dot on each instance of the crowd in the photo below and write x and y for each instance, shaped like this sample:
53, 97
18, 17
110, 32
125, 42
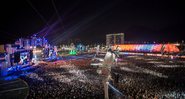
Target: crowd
140, 84
70, 80
75, 79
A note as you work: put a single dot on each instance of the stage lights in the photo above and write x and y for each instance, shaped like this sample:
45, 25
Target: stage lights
168, 48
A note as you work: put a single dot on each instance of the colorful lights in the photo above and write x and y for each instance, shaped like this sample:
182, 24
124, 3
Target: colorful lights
37, 51
168, 48
73, 52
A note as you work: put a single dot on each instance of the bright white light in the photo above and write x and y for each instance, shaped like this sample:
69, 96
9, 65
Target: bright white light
150, 59
127, 69
132, 56
100, 59
143, 70
155, 62
37, 51
96, 64
35, 76
169, 66
107, 82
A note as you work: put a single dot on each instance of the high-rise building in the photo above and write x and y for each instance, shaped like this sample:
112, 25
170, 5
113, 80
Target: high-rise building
117, 38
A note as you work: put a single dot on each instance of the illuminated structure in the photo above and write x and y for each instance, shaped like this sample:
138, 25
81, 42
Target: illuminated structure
2, 49
3, 64
36, 41
156, 48
24, 52
72, 52
112, 39
80, 47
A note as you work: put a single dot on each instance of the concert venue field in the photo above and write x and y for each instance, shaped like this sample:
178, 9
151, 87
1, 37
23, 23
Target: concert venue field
133, 76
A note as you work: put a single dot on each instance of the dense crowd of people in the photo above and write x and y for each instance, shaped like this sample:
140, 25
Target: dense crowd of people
65, 81
139, 79
143, 81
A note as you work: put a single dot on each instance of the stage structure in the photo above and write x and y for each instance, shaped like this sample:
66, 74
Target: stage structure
25, 51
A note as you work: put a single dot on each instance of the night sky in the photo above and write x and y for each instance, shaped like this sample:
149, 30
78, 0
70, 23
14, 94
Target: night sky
90, 20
